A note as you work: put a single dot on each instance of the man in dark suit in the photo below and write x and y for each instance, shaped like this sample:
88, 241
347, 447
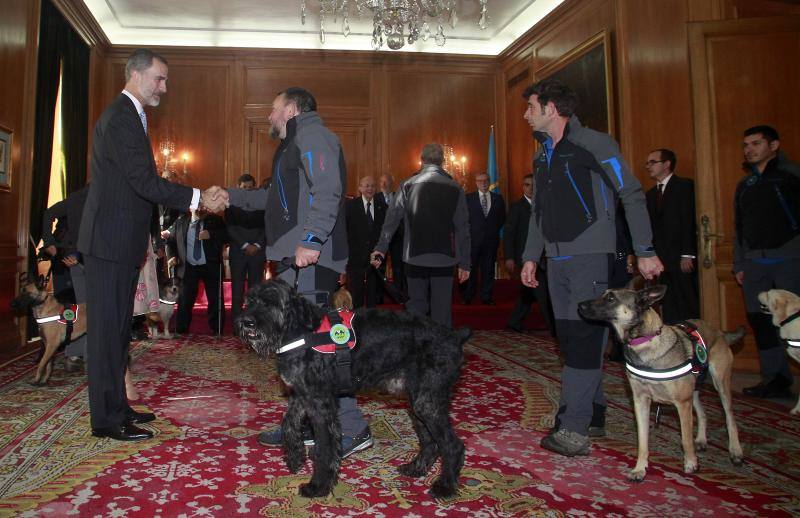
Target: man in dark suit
114, 237
198, 240
364, 217
487, 214
516, 234
671, 207
246, 255
387, 197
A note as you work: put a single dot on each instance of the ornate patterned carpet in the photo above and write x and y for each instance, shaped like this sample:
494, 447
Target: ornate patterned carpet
212, 397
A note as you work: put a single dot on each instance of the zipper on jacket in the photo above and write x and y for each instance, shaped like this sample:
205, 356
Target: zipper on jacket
605, 196
281, 192
578, 192
785, 206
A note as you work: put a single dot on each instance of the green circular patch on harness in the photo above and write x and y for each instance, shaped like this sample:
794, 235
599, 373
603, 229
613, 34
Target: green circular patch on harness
68, 315
340, 334
701, 353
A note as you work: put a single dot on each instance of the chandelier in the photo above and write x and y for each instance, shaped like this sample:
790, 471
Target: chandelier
395, 22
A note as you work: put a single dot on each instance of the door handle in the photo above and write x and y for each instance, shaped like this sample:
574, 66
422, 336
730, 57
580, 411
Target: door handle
708, 237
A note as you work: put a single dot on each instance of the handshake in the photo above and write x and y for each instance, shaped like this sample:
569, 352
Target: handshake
214, 199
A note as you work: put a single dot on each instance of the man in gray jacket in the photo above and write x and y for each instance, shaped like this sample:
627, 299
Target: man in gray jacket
579, 174
433, 210
305, 221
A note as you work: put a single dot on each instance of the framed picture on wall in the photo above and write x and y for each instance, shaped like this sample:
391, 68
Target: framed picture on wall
5, 159
587, 70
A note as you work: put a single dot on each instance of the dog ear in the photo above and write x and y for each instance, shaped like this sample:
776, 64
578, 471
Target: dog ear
777, 302
300, 313
649, 296
636, 283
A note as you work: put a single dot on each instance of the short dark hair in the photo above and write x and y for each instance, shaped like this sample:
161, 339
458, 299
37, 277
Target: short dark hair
301, 98
433, 153
552, 90
141, 60
527, 176
768, 132
246, 177
667, 155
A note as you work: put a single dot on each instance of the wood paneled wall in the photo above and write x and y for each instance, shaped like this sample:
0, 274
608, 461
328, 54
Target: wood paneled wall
19, 24
383, 107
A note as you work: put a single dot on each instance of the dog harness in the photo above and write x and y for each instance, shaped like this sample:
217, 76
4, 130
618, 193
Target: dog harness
67, 317
696, 364
791, 342
169, 303
335, 335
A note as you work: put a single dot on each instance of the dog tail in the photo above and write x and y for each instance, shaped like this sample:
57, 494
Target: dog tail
732, 337
463, 334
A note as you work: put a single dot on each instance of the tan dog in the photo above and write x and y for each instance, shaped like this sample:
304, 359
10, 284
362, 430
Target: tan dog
342, 299
785, 309
659, 360
51, 316
167, 302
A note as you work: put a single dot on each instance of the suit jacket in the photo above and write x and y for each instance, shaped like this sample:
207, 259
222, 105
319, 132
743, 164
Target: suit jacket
212, 247
516, 233
245, 226
125, 185
674, 226
361, 238
71, 210
485, 230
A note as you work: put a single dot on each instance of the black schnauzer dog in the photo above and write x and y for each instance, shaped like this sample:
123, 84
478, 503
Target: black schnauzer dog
394, 351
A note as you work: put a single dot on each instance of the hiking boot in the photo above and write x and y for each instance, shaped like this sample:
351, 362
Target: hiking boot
566, 443
275, 437
362, 441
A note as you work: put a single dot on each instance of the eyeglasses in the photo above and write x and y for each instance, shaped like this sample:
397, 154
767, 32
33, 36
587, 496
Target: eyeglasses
653, 162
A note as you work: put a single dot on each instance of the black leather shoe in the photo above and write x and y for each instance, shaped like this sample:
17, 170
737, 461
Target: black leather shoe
135, 417
774, 389
123, 432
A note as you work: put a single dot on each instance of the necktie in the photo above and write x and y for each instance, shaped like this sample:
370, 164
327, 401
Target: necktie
370, 219
197, 253
484, 204
143, 116
660, 196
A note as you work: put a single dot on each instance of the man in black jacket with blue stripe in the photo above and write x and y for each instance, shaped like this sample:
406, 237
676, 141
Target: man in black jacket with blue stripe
579, 174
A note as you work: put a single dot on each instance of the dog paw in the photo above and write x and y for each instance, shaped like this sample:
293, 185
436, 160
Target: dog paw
690, 467
795, 410
700, 446
411, 470
312, 490
737, 460
636, 475
441, 489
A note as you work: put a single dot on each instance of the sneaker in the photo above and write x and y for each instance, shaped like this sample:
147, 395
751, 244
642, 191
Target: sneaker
362, 441
275, 437
566, 443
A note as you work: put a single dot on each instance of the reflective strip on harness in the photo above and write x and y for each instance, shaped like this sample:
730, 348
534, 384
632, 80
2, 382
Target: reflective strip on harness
793, 343
171, 303
48, 319
68, 315
293, 345
661, 374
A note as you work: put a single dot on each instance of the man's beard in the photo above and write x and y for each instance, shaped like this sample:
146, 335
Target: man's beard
274, 133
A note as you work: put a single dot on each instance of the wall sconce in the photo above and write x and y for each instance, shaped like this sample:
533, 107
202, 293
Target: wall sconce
455, 166
185, 160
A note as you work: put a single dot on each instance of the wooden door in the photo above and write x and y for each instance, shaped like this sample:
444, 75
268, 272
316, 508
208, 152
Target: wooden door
744, 73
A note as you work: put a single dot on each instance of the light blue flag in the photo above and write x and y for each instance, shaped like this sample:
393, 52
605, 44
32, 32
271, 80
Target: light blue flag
491, 167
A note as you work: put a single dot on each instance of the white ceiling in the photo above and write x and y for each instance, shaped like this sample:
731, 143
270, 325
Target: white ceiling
276, 24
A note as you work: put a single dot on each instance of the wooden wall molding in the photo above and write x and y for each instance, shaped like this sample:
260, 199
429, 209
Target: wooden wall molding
81, 19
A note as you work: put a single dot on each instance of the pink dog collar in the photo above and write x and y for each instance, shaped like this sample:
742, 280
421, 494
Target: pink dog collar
642, 339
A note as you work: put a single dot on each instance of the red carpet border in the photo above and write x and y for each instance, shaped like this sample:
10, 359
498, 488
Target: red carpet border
213, 396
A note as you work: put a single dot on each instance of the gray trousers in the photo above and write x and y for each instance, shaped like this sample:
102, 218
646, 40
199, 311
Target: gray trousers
573, 280
431, 296
760, 277
314, 278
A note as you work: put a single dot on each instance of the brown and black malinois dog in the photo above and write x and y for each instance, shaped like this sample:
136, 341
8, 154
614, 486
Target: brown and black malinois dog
56, 321
663, 363
784, 306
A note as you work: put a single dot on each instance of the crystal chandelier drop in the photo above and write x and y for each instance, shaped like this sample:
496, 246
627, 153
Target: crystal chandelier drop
395, 22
